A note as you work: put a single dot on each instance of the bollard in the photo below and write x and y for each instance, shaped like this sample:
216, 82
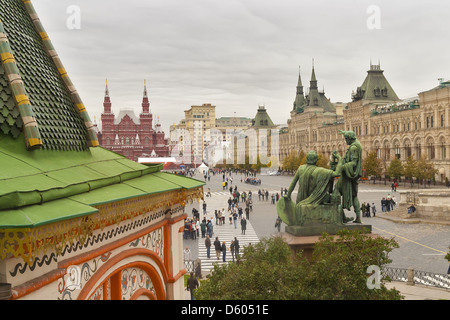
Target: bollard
410, 281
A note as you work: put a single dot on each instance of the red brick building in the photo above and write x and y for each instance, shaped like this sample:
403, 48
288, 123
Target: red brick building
130, 135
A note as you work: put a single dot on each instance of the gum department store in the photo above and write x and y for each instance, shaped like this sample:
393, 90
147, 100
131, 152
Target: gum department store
392, 127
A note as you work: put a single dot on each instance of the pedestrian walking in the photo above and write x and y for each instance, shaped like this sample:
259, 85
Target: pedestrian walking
374, 209
193, 230
278, 223
235, 216
236, 247
232, 250
203, 227
224, 251
204, 208
208, 246
243, 225
191, 285
217, 247
209, 228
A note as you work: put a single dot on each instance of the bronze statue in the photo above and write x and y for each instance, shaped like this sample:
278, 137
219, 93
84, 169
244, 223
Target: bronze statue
315, 189
320, 203
351, 172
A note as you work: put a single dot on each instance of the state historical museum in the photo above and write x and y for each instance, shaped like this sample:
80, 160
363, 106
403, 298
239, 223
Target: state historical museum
130, 135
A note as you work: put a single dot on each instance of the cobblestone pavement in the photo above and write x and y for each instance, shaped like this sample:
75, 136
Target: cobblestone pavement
422, 246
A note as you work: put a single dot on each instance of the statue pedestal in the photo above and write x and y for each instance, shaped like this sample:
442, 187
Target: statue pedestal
300, 238
330, 228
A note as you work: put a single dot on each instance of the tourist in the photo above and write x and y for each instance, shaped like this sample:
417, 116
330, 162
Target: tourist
193, 230
278, 223
224, 251
209, 228
383, 205
208, 246
243, 225
203, 228
232, 250
217, 247
204, 208
192, 284
236, 247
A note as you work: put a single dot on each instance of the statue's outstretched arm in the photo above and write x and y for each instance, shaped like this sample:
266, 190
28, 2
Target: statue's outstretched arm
338, 170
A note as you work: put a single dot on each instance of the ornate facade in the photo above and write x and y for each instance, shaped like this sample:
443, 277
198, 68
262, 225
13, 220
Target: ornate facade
130, 135
383, 123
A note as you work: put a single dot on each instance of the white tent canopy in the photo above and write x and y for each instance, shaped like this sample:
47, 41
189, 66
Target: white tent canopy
203, 168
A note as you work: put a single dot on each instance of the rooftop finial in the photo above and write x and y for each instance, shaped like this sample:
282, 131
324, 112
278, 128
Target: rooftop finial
106, 88
145, 88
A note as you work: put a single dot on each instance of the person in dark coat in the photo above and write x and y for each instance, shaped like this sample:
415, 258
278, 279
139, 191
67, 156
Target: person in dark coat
217, 247
236, 247
224, 251
243, 225
208, 246
192, 284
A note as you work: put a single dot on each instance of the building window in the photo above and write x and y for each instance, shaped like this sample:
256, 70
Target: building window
397, 151
431, 150
408, 150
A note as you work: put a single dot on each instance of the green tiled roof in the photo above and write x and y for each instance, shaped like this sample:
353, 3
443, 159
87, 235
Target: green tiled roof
262, 119
375, 87
52, 104
38, 180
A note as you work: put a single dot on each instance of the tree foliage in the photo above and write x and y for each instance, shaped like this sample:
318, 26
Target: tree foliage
425, 169
373, 165
294, 160
395, 168
410, 168
269, 271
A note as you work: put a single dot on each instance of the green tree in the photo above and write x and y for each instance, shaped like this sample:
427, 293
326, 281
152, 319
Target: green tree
288, 161
395, 168
268, 271
373, 165
323, 161
410, 168
425, 169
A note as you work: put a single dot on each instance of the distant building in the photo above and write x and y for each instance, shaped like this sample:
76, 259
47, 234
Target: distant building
384, 123
130, 135
200, 137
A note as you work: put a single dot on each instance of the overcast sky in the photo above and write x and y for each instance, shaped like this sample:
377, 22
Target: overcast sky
239, 54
